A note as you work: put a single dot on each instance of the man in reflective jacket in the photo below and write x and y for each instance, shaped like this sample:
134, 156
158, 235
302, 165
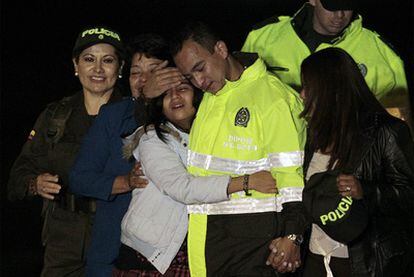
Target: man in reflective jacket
284, 42
248, 121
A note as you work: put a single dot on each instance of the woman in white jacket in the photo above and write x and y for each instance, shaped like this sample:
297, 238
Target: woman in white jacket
156, 222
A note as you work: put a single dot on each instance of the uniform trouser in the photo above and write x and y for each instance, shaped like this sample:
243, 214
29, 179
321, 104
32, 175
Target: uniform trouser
238, 245
66, 237
315, 267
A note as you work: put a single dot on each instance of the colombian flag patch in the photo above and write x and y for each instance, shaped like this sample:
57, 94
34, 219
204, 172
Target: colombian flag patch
31, 135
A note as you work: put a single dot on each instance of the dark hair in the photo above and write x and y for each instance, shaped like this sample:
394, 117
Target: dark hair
150, 45
337, 103
196, 31
154, 112
119, 55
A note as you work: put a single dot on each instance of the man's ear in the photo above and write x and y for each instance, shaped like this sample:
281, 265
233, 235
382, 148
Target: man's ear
221, 49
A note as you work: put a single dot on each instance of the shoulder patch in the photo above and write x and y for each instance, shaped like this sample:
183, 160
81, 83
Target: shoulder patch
31, 135
270, 20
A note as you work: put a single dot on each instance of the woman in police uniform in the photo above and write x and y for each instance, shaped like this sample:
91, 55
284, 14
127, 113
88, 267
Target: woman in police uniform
41, 169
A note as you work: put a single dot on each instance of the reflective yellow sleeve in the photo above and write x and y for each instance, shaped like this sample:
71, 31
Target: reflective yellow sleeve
285, 137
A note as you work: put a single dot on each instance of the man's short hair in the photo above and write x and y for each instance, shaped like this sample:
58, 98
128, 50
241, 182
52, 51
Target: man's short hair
196, 31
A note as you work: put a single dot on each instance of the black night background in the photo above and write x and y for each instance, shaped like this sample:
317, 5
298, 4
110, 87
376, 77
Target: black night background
36, 69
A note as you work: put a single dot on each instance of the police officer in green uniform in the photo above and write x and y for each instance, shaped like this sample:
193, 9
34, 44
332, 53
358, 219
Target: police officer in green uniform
284, 42
41, 169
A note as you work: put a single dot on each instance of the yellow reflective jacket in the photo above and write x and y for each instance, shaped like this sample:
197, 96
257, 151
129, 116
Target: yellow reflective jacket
279, 45
251, 124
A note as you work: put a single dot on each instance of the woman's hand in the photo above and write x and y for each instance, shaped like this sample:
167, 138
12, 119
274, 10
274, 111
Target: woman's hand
46, 185
134, 179
262, 181
348, 185
162, 79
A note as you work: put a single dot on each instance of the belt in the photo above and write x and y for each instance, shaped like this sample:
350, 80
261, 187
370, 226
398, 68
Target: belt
72, 203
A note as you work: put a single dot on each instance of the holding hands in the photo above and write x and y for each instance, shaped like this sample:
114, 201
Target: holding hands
284, 255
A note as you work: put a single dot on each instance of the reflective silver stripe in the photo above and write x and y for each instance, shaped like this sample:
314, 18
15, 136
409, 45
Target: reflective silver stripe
238, 206
285, 159
249, 205
290, 194
209, 162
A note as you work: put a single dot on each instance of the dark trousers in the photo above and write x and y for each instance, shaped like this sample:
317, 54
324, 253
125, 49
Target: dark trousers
314, 266
237, 245
66, 238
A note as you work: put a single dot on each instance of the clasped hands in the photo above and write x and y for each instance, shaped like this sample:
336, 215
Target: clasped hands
284, 255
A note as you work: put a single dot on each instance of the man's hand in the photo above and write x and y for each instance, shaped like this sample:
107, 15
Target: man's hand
46, 185
284, 255
162, 79
262, 181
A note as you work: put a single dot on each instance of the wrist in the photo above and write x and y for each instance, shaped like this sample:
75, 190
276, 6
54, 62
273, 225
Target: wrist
246, 185
296, 239
127, 182
32, 188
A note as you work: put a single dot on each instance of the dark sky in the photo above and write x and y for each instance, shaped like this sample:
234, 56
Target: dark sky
37, 38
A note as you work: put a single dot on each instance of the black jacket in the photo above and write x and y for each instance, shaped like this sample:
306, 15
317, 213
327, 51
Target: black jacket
385, 168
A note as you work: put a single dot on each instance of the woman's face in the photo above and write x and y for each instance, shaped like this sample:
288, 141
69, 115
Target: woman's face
98, 68
141, 68
178, 106
303, 93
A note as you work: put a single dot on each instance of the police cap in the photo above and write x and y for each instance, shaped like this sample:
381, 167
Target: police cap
339, 5
342, 218
98, 34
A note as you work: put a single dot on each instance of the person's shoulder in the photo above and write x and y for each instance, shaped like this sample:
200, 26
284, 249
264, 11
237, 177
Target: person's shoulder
118, 107
269, 22
279, 93
149, 135
376, 36
65, 103
391, 124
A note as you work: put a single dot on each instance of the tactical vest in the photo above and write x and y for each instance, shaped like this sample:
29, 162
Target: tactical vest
60, 113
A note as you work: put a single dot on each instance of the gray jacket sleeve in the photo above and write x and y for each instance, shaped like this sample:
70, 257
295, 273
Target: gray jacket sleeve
167, 171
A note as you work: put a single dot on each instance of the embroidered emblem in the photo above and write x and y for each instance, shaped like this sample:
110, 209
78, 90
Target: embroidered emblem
242, 117
363, 68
